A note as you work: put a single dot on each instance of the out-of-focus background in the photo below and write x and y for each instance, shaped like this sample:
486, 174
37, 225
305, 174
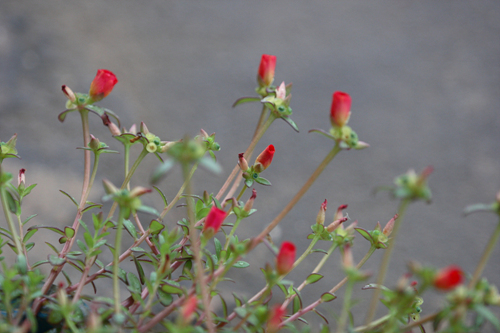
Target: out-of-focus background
424, 77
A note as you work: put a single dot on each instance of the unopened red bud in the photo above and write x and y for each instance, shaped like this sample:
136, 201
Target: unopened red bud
285, 258
214, 221
263, 161
320, 218
102, 84
448, 278
21, 179
389, 226
347, 259
341, 109
249, 203
188, 308
265, 75
335, 224
69, 93
277, 314
242, 162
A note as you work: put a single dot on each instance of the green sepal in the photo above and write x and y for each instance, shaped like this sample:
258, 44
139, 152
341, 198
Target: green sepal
243, 100
262, 181
290, 122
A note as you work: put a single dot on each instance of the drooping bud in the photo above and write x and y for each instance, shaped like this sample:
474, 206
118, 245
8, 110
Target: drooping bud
335, 224
213, 222
267, 66
249, 203
102, 85
285, 258
320, 218
21, 178
242, 162
263, 161
277, 314
389, 226
341, 109
448, 278
338, 213
69, 93
138, 191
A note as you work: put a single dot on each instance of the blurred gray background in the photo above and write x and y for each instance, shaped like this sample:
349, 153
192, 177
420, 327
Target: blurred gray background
424, 77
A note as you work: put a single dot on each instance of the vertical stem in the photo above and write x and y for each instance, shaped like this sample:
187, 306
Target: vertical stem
126, 156
228, 239
10, 223
385, 261
486, 255
116, 262
306, 252
195, 244
345, 309
298, 196
86, 171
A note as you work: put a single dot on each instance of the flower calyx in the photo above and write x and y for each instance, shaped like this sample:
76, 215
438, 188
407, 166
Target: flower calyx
8, 149
279, 104
377, 237
412, 186
97, 146
209, 142
128, 200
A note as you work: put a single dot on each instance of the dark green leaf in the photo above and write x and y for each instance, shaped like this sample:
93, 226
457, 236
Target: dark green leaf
134, 285
57, 230
70, 197
69, 232
86, 209
129, 226
29, 234
171, 289
328, 297
29, 218
165, 298
290, 122
313, 278
165, 201
155, 227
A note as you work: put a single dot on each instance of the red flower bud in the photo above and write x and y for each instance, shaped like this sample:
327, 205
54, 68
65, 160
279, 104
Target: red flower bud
267, 65
448, 278
249, 203
285, 258
213, 221
189, 307
242, 162
277, 313
102, 85
21, 178
264, 159
341, 109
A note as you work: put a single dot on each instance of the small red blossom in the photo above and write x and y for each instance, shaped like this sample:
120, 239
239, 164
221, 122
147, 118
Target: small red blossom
213, 222
277, 314
102, 85
448, 278
341, 109
285, 258
267, 66
263, 161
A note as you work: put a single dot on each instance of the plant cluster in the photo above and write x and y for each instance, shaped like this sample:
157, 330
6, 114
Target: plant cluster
180, 270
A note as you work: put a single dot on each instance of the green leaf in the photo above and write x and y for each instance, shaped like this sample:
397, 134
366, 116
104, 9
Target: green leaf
313, 278
328, 297
241, 264
88, 239
165, 298
243, 100
263, 181
95, 109
322, 317
69, 232
52, 247
165, 201
290, 122
134, 285
55, 260
218, 247
129, 226
29, 218
488, 315
140, 270
365, 234
171, 289
63, 114
11, 202
248, 182
148, 210
297, 304
57, 230
237, 301
86, 209
29, 246
29, 234
82, 245
70, 197
155, 227
210, 165
161, 171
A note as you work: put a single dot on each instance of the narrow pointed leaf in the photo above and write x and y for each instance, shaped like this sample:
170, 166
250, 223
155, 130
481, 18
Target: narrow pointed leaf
327, 297
290, 122
313, 278
243, 100
70, 197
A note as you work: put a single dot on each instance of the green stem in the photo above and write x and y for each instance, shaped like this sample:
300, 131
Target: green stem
195, 244
385, 261
138, 161
345, 309
486, 256
179, 193
116, 261
241, 193
228, 238
8, 218
306, 252
373, 324
126, 154
297, 196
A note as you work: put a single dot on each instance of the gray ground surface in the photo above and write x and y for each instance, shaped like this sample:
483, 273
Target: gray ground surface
424, 77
